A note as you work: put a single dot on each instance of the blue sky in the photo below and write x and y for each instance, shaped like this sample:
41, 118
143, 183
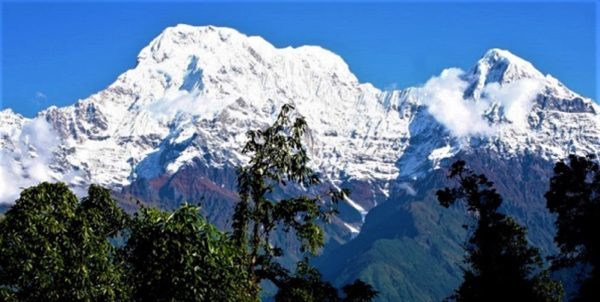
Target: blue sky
56, 53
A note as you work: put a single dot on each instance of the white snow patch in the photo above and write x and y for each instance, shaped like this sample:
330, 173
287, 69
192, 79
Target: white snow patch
352, 203
408, 188
438, 154
352, 229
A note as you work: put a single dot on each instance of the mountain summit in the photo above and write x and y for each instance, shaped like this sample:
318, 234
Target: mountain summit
196, 90
501, 66
171, 130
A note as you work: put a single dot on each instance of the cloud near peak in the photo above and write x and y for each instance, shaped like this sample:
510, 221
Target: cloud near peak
444, 97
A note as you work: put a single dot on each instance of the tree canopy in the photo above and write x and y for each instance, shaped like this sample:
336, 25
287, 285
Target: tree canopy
574, 196
179, 256
279, 159
501, 265
54, 248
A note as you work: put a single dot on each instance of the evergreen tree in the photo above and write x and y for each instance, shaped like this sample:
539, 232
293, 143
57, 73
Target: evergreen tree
53, 248
502, 266
574, 196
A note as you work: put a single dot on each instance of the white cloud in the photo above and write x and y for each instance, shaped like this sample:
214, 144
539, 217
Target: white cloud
40, 95
9, 189
34, 149
181, 101
444, 97
516, 98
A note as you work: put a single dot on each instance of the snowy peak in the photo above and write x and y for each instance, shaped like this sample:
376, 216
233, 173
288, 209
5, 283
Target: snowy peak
182, 39
197, 89
215, 48
212, 67
500, 69
501, 66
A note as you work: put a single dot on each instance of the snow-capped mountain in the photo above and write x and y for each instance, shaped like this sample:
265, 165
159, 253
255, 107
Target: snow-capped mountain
196, 91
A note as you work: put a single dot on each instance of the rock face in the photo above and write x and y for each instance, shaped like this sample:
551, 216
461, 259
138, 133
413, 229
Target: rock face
171, 130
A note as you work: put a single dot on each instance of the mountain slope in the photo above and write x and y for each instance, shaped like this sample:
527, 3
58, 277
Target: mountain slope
171, 130
194, 94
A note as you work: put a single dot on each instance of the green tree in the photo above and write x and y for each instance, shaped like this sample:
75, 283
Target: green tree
53, 248
279, 159
306, 284
502, 266
179, 256
574, 195
359, 291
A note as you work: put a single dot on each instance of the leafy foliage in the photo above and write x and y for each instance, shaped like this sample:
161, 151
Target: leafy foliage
53, 248
278, 159
359, 291
307, 285
574, 195
502, 265
180, 257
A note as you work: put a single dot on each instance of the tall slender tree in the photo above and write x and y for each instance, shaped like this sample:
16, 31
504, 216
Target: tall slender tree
574, 196
279, 159
501, 265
